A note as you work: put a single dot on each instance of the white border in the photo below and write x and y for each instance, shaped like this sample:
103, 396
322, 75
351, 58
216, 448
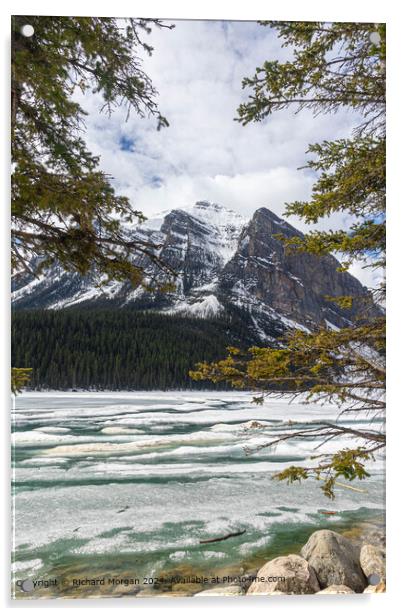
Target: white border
337, 10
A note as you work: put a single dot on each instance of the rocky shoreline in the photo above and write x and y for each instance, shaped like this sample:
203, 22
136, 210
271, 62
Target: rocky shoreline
351, 561
329, 563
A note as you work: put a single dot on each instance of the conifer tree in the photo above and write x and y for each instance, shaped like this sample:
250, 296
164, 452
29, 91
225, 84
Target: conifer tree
334, 66
117, 349
64, 207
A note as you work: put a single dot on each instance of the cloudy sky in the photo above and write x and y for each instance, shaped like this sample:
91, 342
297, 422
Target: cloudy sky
204, 154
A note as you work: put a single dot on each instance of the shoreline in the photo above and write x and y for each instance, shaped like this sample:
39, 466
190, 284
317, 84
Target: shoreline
183, 579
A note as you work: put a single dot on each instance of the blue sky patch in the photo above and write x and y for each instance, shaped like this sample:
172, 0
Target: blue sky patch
126, 144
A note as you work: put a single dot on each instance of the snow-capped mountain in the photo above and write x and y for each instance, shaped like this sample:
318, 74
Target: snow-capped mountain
225, 264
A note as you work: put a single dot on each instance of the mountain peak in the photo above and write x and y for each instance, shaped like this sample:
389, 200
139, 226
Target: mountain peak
267, 213
269, 220
225, 264
204, 204
216, 215
211, 209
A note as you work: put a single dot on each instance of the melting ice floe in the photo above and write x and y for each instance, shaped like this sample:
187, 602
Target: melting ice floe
156, 493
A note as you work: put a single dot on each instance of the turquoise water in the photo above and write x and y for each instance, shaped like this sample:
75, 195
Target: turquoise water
128, 485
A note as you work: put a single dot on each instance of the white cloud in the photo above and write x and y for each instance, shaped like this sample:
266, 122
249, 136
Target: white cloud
204, 154
370, 277
244, 192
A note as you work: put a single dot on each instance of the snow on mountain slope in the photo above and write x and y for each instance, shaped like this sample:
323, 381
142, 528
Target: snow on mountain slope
195, 240
226, 224
224, 264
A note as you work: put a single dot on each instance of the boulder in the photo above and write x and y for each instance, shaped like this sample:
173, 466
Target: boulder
377, 588
375, 536
372, 561
227, 591
336, 589
291, 575
277, 592
335, 560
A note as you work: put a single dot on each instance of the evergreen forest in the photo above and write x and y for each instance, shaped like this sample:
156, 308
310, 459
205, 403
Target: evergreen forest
119, 349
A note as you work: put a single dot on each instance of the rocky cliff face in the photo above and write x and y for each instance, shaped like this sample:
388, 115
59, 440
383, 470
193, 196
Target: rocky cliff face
224, 264
269, 279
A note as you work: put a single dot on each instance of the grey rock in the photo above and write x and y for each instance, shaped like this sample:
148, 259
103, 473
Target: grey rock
265, 275
221, 591
336, 589
297, 577
375, 537
372, 561
335, 560
278, 592
378, 588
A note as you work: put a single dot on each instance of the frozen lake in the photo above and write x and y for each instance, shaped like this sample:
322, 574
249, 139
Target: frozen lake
129, 483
